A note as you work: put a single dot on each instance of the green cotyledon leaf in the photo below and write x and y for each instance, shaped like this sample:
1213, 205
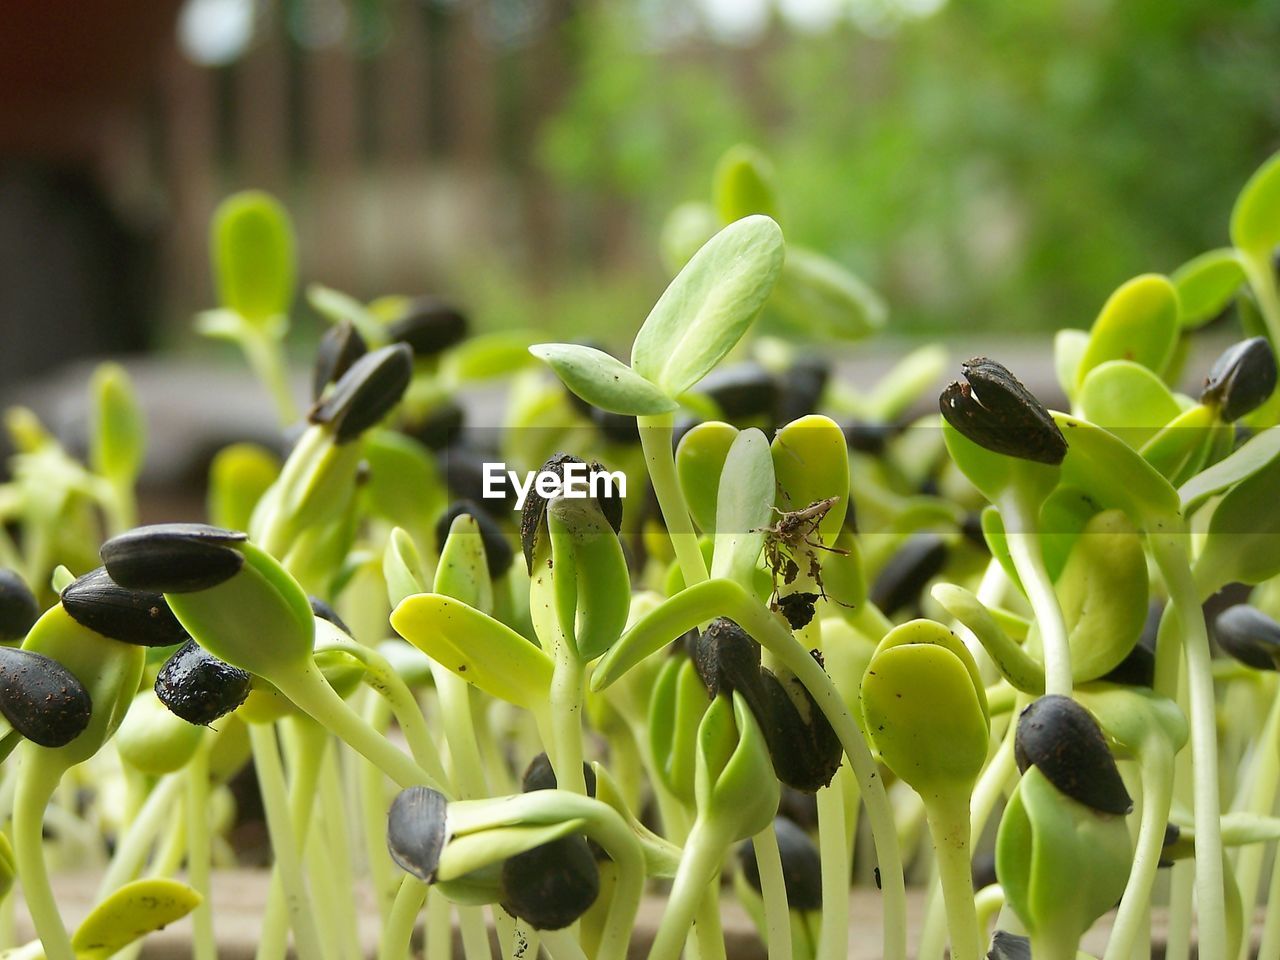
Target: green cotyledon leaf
603, 381
743, 507
135, 910
709, 305
700, 459
253, 256
589, 574
1255, 220
476, 647
1206, 284
1139, 322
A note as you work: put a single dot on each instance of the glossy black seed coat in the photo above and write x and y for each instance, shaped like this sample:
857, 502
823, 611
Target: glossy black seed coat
365, 393
995, 411
498, 552
1241, 379
800, 389
140, 617
1061, 738
18, 607
173, 557
41, 698
908, 572
416, 831
340, 347
198, 687
801, 865
429, 326
1249, 635
551, 886
533, 517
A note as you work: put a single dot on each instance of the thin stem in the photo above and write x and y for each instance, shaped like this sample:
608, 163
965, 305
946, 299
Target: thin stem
833, 943
475, 936
1263, 774
200, 851
699, 868
373, 817
565, 749
1157, 794
708, 934
773, 891
266, 359
1170, 556
275, 802
439, 929
655, 439
37, 780
1270, 946
1020, 520
131, 849
949, 827
397, 932
333, 819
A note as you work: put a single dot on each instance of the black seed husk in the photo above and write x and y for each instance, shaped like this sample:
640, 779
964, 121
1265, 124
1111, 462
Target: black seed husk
365, 393
340, 347
1062, 739
551, 886
140, 617
1249, 635
429, 326
908, 572
995, 411
1241, 379
18, 607
42, 699
416, 831
198, 687
801, 865
533, 517
498, 552
173, 557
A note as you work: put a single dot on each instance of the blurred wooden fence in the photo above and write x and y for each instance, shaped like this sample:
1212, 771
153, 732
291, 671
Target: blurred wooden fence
395, 162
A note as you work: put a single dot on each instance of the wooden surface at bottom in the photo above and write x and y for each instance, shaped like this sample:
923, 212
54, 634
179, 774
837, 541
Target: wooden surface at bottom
239, 895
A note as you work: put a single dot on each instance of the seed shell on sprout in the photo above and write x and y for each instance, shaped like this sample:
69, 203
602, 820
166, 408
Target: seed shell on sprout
801, 865
440, 428
365, 393
1063, 741
745, 390
539, 775
805, 750
800, 389
18, 607
173, 557
42, 699
417, 830
533, 517
1241, 379
552, 885
995, 411
326, 612
727, 659
464, 476
901, 580
1009, 946
340, 347
429, 326
198, 687
498, 553
1249, 635
139, 617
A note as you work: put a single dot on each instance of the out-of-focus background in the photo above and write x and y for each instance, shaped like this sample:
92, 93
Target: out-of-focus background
984, 164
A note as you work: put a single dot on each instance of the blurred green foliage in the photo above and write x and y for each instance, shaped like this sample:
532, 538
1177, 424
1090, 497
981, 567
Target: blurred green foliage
998, 165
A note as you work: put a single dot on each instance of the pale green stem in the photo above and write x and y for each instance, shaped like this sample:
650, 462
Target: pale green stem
1270, 946
708, 934
1020, 519
1262, 281
37, 780
275, 802
308, 689
1167, 548
833, 942
1156, 767
988, 902
655, 439
773, 892
266, 359
307, 743
333, 819
565, 750
374, 807
560, 945
1182, 879
397, 932
1261, 800
132, 848
950, 827
199, 851
439, 929
698, 870
475, 937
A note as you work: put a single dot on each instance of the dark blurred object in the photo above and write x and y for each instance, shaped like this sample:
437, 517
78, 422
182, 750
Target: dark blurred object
75, 278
